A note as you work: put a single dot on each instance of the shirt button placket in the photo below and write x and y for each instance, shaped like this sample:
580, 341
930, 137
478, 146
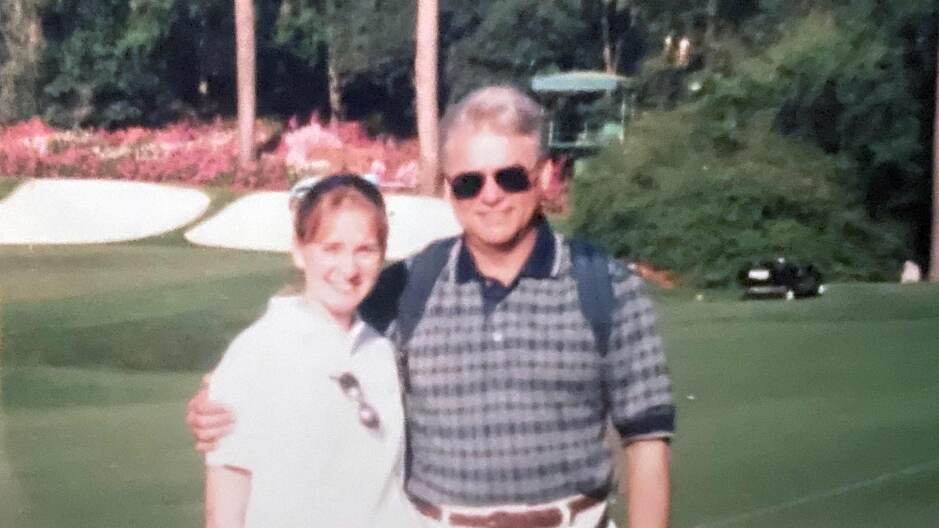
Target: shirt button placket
498, 324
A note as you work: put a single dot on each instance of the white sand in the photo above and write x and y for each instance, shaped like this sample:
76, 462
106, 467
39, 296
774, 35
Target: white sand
262, 221
258, 221
62, 211
415, 221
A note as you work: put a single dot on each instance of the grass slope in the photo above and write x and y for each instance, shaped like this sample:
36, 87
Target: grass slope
144, 306
797, 406
7, 185
809, 413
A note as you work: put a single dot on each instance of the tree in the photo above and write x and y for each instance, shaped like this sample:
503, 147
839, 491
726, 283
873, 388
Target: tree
489, 41
245, 65
934, 240
22, 41
425, 87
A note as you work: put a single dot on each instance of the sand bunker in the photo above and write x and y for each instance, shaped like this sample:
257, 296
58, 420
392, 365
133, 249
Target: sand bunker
415, 221
56, 211
259, 221
262, 221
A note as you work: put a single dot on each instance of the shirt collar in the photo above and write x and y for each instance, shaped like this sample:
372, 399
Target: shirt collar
312, 318
540, 264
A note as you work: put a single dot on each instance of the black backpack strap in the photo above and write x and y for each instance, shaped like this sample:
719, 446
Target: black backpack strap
590, 268
380, 307
422, 274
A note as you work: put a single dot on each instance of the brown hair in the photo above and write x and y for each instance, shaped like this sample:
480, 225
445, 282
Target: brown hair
336, 192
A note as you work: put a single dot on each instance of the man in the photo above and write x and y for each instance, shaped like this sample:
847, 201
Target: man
507, 398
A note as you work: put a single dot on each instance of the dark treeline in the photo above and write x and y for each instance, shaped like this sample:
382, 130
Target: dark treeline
853, 78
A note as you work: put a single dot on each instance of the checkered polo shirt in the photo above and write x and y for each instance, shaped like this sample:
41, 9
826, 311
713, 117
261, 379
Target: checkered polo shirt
507, 397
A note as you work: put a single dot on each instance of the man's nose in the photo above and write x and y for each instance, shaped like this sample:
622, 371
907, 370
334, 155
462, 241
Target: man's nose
491, 192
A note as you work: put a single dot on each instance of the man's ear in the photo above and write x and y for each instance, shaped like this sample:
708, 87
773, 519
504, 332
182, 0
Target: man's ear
297, 255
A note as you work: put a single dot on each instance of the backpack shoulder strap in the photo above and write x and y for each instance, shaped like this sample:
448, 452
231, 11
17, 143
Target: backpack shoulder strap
380, 307
591, 270
422, 273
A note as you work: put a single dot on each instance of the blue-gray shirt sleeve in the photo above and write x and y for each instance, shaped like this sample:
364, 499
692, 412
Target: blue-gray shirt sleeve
636, 375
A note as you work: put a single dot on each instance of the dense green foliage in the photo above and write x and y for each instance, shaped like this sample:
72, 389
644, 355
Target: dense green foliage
855, 78
857, 90
675, 196
816, 93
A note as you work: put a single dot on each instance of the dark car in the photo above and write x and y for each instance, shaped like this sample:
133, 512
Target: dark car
780, 278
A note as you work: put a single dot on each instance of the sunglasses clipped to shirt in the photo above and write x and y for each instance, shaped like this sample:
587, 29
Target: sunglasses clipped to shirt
513, 179
349, 385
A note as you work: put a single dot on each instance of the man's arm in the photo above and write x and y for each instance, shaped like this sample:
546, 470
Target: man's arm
647, 490
208, 421
641, 407
227, 490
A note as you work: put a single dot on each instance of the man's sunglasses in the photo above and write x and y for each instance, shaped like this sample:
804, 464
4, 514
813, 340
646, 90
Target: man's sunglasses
351, 388
468, 185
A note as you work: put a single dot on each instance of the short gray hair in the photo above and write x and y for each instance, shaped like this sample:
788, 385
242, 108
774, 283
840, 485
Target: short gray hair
503, 109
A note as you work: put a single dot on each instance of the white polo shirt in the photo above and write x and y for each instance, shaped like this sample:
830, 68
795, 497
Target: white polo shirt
312, 462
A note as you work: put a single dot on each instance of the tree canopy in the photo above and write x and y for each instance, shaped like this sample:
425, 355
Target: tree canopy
854, 79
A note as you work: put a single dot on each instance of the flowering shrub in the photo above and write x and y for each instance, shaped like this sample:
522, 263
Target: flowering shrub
205, 153
345, 146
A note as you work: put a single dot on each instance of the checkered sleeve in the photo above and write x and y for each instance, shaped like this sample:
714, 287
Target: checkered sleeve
636, 375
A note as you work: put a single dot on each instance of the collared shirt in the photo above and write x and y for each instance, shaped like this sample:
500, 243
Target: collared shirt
508, 398
312, 462
537, 266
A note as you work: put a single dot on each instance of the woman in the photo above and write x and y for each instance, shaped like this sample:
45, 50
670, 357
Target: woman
319, 435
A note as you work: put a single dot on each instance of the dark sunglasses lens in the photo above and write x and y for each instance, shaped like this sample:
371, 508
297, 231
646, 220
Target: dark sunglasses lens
513, 179
348, 382
467, 185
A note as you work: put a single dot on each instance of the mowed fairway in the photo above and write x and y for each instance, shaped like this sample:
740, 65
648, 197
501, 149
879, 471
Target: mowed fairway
811, 413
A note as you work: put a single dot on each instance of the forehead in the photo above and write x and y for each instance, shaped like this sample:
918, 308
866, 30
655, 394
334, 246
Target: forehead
348, 219
484, 149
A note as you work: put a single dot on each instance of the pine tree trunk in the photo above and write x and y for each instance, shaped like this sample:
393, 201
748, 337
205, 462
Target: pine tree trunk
425, 88
711, 28
335, 93
333, 81
246, 79
21, 30
934, 242
608, 46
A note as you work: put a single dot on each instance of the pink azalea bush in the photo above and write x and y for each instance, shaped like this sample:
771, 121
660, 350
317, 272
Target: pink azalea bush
206, 154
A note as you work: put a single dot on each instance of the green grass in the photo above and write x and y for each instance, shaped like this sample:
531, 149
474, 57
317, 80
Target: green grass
792, 402
809, 413
112, 452
144, 306
7, 184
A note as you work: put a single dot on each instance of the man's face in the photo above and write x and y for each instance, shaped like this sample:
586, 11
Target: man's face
496, 215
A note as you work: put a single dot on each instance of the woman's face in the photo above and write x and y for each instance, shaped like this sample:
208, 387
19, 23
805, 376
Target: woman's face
342, 261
